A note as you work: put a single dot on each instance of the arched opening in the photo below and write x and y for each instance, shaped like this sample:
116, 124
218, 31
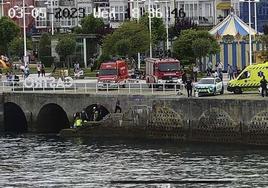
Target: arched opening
14, 118
51, 119
102, 111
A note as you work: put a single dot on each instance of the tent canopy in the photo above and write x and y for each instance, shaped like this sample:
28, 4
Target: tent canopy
232, 25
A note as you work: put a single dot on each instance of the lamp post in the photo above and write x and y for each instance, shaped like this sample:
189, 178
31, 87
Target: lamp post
150, 28
2, 7
138, 20
24, 31
52, 13
249, 27
167, 13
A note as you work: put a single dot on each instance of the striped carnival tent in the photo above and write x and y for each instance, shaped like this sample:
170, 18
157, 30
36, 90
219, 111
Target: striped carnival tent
232, 25
234, 52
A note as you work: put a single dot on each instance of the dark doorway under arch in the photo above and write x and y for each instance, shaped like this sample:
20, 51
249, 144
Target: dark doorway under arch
102, 111
51, 119
14, 118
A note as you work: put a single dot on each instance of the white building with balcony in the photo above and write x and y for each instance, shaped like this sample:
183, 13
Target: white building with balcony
202, 12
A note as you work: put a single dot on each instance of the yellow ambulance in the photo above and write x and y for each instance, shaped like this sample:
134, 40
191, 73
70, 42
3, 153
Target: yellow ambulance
249, 79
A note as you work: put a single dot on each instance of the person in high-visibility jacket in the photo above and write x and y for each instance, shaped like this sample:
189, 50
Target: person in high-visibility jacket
77, 122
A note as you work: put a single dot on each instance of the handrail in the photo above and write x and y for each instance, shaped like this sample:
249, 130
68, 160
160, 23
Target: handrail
111, 88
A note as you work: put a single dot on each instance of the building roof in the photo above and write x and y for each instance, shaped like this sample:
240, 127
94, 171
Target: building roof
232, 25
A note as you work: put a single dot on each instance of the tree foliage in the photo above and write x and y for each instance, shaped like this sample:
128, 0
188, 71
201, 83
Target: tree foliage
45, 45
8, 31
16, 47
193, 44
129, 39
66, 46
158, 28
91, 25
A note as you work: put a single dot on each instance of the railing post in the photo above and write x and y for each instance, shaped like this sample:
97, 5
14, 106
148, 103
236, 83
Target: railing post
164, 89
128, 88
107, 88
85, 87
13, 86
74, 87
23, 86
3, 86
175, 86
118, 87
96, 87
64, 88
140, 88
152, 86
53, 88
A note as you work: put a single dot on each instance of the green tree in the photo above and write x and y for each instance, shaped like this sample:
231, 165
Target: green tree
91, 25
16, 47
66, 47
194, 44
8, 31
158, 28
129, 39
44, 45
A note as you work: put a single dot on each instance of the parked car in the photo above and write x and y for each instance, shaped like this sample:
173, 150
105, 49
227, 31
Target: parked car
209, 86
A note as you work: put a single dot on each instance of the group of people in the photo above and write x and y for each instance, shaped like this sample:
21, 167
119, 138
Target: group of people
232, 72
41, 70
91, 115
78, 72
82, 117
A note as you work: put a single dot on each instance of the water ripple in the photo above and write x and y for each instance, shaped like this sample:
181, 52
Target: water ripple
49, 161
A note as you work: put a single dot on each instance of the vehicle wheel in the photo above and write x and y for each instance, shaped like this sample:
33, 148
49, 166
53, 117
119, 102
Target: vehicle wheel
237, 90
222, 91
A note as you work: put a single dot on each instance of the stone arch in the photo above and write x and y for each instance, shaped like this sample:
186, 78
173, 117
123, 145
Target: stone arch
103, 111
51, 119
163, 116
14, 118
216, 118
259, 122
257, 129
215, 125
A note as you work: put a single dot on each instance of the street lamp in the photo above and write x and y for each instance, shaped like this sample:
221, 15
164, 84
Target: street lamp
24, 30
249, 26
167, 13
138, 20
52, 13
2, 7
150, 28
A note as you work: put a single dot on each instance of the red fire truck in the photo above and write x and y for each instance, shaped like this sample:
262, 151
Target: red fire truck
113, 73
163, 71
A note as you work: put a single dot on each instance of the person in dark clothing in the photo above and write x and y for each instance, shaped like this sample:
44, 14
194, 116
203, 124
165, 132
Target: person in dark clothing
189, 87
184, 78
84, 115
117, 107
263, 86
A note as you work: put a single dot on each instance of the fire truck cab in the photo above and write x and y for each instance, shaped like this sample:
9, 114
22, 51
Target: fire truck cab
113, 74
163, 71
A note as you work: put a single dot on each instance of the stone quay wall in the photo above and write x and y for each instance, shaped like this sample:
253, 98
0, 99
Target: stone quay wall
207, 119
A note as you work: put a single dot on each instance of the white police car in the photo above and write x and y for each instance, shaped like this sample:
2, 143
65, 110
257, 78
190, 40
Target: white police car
209, 86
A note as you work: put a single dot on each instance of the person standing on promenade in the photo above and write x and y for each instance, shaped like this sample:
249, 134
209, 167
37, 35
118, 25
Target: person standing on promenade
43, 72
195, 71
263, 86
230, 72
189, 86
38, 69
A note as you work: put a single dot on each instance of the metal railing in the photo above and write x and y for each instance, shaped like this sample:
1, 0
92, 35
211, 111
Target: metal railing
114, 88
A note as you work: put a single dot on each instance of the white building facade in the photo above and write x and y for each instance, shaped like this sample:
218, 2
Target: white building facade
202, 12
